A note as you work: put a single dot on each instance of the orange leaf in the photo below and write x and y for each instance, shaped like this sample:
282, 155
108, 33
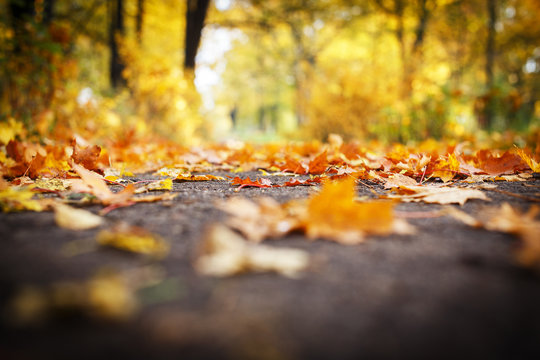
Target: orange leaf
247, 182
334, 213
319, 164
99, 188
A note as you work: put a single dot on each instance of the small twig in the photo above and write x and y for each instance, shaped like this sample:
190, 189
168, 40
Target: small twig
423, 175
111, 207
114, 182
363, 183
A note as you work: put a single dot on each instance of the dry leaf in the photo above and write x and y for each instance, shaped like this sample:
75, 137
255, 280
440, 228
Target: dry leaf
97, 186
133, 239
259, 219
75, 219
438, 195
191, 177
157, 185
397, 180
226, 253
529, 160
334, 214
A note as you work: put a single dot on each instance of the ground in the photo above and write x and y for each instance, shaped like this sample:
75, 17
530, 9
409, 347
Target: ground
449, 291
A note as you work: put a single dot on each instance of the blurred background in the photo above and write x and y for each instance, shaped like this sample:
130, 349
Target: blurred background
211, 70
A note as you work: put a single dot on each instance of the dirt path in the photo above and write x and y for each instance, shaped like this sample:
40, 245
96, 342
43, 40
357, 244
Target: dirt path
449, 291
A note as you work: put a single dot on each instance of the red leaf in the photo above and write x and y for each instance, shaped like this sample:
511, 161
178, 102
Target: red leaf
247, 182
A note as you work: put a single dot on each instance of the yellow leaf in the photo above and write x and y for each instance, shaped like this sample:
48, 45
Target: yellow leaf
529, 160
18, 199
10, 129
133, 239
165, 184
75, 219
189, 177
52, 184
446, 169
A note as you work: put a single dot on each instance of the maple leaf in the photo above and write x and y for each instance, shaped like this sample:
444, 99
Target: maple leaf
529, 160
133, 239
492, 164
319, 164
447, 168
334, 214
71, 218
87, 157
226, 253
293, 166
10, 129
247, 182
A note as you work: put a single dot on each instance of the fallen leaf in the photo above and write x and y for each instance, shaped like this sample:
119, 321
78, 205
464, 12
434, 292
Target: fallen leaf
319, 164
18, 199
397, 180
154, 198
437, 195
105, 296
191, 177
52, 184
98, 187
529, 160
334, 214
226, 253
71, 218
258, 219
493, 164
509, 220
133, 239
87, 157
157, 185
247, 182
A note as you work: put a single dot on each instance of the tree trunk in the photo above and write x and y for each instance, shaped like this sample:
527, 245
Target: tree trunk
48, 11
139, 19
21, 11
195, 16
115, 31
489, 106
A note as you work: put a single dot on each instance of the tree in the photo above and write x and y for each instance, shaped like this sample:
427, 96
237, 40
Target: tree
139, 20
116, 29
195, 16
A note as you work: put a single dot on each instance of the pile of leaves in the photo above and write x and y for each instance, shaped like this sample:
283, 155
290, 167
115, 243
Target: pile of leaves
64, 177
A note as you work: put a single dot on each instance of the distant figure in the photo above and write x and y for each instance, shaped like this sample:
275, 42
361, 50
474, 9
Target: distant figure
233, 113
